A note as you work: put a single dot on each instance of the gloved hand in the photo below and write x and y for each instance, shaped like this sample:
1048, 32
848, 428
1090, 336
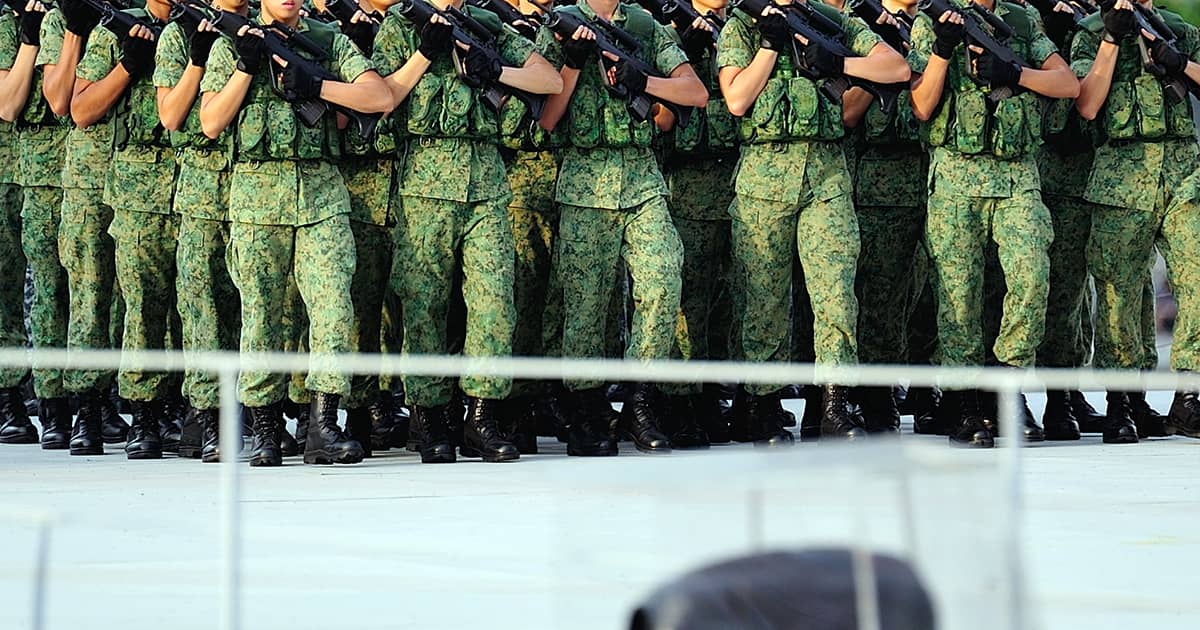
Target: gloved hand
1118, 23
775, 32
695, 42
251, 52
480, 64
137, 55
947, 34
576, 52
825, 62
997, 73
436, 40
362, 34
31, 27
80, 17
631, 78
300, 86
200, 45
1166, 56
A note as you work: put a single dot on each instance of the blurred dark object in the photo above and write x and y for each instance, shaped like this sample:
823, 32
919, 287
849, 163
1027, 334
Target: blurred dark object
802, 590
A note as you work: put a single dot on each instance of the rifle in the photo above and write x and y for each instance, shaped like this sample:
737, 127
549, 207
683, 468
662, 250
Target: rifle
1177, 87
682, 15
1080, 9
343, 11
823, 32
117, 21
281, 40
992, 38
523, 24
189, 14
470, 32
896, 35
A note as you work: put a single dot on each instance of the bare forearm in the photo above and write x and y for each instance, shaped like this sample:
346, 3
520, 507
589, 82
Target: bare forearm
366, 94
882, 65
59, 81
556, 104
681, 90
15, 86
741, 86
175, 103
927, 88
402, 81
855, 103
218, 109
537, 76
1093, 88
92, 100
1055, 83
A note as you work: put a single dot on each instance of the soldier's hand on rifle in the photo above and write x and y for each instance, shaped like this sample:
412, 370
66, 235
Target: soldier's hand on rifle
200, 43
436, 38
697, 38
776, 35
480, 64
296, 84
947, 33
625, 75
527, 28
250, 49
578, 49
995, 72
1119, 21
825, 62
1165, 55
31, 23
137, 51
361, 30
80, 17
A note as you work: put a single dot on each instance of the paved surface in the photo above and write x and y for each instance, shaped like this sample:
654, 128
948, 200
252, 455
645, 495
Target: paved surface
556, 542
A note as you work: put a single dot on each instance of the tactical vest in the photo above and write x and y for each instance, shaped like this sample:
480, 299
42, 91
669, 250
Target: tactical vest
1138, 107
899, 127
790, 107
389, 135
269, 130
520, 132
968, 123
596, 117
713, 130
441, 105
136, 122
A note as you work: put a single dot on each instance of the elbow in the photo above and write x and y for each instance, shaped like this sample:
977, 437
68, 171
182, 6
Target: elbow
60, 106
209, 127
554, 83
1087, 111
171, 123
849, 121
737, 107
80, 117
1073, 89
9, 113
922, 114
903, 73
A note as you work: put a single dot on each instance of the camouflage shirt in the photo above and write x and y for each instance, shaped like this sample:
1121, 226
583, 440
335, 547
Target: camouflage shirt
608, 177
285, 192
9, 43
42, 135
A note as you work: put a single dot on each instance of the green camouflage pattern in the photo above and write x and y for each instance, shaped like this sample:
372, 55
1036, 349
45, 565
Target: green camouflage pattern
592, 244
373, 244
1065, 343
371, 183
12, 267
86, 251
322, 258
48, 314
704, 284
209, 306
9, 44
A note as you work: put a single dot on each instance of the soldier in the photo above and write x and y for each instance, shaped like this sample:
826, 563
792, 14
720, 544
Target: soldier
288, 206
18, 50
613, 207
1138, 182
985, 188
453, 194
793, 200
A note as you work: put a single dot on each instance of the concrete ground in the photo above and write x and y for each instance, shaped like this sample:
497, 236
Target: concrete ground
556, 542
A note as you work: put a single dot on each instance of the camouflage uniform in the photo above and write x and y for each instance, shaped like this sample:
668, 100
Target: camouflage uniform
12, 259
612, 200
793, 202
40, 138
288, 206
207, 299
453, 196
984, 187
1138, 183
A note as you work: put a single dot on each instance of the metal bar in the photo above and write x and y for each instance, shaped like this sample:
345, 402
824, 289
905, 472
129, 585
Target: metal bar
1012, 505
231, 524
39, 576
866, 598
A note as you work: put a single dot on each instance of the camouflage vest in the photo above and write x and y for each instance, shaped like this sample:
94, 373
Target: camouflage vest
520, 132
790, 108
441, 105
37, 112
136, 121
269, 130
1138, 107
712, 130
1062, 126
899, 127
969, 123
597, 118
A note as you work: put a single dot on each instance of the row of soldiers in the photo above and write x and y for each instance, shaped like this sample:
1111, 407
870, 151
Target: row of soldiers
224, 174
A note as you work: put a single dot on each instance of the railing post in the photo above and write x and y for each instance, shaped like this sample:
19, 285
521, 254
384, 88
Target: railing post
1012, 503
231, 523
39, 577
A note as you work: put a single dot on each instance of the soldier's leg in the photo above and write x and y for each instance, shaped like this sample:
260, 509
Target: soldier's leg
15, 427
1179, 243
86, 251
589, 246
1116, 253
827, 236
1063, 344
955, 235
764, 246
260, 258
700, 278
324, 267
1022, 230
1149, 323
654, 255
533, 242
487, 268
373, 246
209, 306
889, 238
49, 314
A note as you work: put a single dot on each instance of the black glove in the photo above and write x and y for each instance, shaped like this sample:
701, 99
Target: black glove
80, 17
527, 28
483, 65
824, 62
436, 40
576, 52
629, 77
137, 55
199, 45
1165, 55
251, 52
1118, 24
362, 34
695, 42
775, 32
997, 73
947, 36
1059, 25
300, 86
31, 28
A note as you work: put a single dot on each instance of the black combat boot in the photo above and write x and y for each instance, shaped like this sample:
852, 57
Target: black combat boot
265, 422
1119, 427
1090, 420
456, 412
879, 410
926, 404
683, 427
210, 436
1059, 418
1184, 416
1149, 422
643, 415
398, 437
326, 444
145, 441
427, 435
754, 420
358, 428
55, 416
15, 426
299, 413
970, 430
839, 421
113, 428
711, 415
288, 445
85, 435
383, 422
191, 438
810, 421
170, 422
589, 432
481, 436
517, 419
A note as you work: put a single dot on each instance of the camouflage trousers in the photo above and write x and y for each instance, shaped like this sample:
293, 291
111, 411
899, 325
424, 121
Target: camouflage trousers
86, 251
322, 258
145, 263
12, 270
889, 238
958, 232
440, 240
1064, 344
48, 316
592, 243
295, 333
209, 309
702, 326
538, 304
823, 237
373, 244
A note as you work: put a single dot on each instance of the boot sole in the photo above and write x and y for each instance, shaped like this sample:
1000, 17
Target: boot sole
266, 462
970, 445
1174, 430
114, 440
651, 451
471, 453
21, 440
144, 455
599, 453
439, 459
190, 452
55, 446
1120, 440
323, 459
94, 450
